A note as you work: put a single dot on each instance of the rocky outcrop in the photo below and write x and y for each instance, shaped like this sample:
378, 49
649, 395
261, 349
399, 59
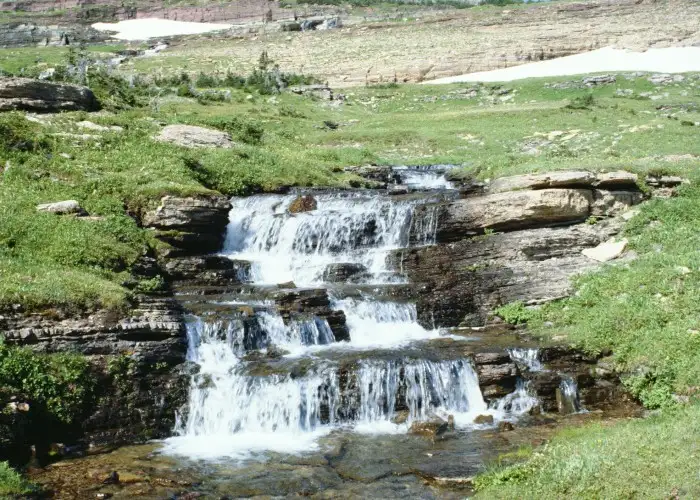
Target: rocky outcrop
497, 374
303, 304
207, 270
148, 345
189, 226
510, 211
20, 34
44, 97
344, 272
190, 136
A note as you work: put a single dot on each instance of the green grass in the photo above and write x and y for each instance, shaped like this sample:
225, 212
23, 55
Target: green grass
31, 60
657, 457
12, 483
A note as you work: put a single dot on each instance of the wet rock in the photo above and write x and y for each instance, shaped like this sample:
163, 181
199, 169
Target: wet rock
616, 180
511, 211
433, 429
191, 136
565, 179
400, 417
212, 270
606, 251
309, 303
398, 189
67, 207
341, 272
44, 97
483, 419
305, 203
286, 285
383, 174
505, 426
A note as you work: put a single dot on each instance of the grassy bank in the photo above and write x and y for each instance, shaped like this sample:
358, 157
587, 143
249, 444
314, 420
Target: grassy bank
655, 457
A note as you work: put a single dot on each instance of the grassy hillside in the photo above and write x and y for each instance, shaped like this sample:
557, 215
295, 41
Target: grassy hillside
645, 310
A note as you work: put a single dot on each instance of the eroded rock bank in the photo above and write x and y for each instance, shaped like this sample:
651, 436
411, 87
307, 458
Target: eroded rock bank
137, 356
522, 239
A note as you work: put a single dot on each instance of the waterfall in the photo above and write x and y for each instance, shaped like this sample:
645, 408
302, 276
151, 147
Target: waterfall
567, 396
345, 228
425, 177
248, 399
527, 358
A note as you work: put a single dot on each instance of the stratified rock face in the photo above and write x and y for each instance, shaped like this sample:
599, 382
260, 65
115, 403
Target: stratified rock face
522, 241
305, 303
512, 210
190, 136
44, 97
190, 225
151, 338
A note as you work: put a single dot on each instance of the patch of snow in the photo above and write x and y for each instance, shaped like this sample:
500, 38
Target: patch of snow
608, 59
143, 29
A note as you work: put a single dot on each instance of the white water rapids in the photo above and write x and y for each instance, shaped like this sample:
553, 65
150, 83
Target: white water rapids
233, 413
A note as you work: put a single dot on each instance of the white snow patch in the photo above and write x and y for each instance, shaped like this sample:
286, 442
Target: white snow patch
143, 29
608, 59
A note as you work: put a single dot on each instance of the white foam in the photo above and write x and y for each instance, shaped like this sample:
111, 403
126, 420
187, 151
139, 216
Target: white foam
608, 59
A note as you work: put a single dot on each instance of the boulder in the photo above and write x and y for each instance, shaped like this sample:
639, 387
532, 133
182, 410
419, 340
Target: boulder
66, 207
606, 251
193, 225
483, 419
510, 211
435, 428
45, 97
566, 179
305, 203
188, 213
190, 136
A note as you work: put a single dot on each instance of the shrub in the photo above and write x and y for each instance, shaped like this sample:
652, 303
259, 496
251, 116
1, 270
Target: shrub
12, 483
515, 313
59, 384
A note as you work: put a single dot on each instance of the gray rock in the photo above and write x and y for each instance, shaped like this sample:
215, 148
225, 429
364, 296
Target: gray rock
606, 251
339, 272
608, 203
99, 128
190, 136
592, 81
616, 180
512, 210
62, 207
45, 97
566, 179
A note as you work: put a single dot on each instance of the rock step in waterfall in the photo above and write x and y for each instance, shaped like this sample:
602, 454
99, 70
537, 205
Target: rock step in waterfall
317, 327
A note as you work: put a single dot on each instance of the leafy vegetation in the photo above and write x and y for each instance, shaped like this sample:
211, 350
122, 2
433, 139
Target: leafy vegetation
59, 385
12, 483
515, 313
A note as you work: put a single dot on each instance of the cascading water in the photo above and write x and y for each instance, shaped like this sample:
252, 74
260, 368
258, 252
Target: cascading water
344, 228
236, 412
425, 177
527, 358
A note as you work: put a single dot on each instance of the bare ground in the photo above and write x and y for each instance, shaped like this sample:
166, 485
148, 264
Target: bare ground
454, 42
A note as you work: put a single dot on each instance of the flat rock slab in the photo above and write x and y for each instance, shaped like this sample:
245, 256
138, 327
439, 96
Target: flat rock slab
606, 251
190, 136
565, 179
512, 210
45, 97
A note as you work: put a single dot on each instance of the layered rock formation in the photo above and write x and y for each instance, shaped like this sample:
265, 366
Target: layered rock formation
44, 97
520, 241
